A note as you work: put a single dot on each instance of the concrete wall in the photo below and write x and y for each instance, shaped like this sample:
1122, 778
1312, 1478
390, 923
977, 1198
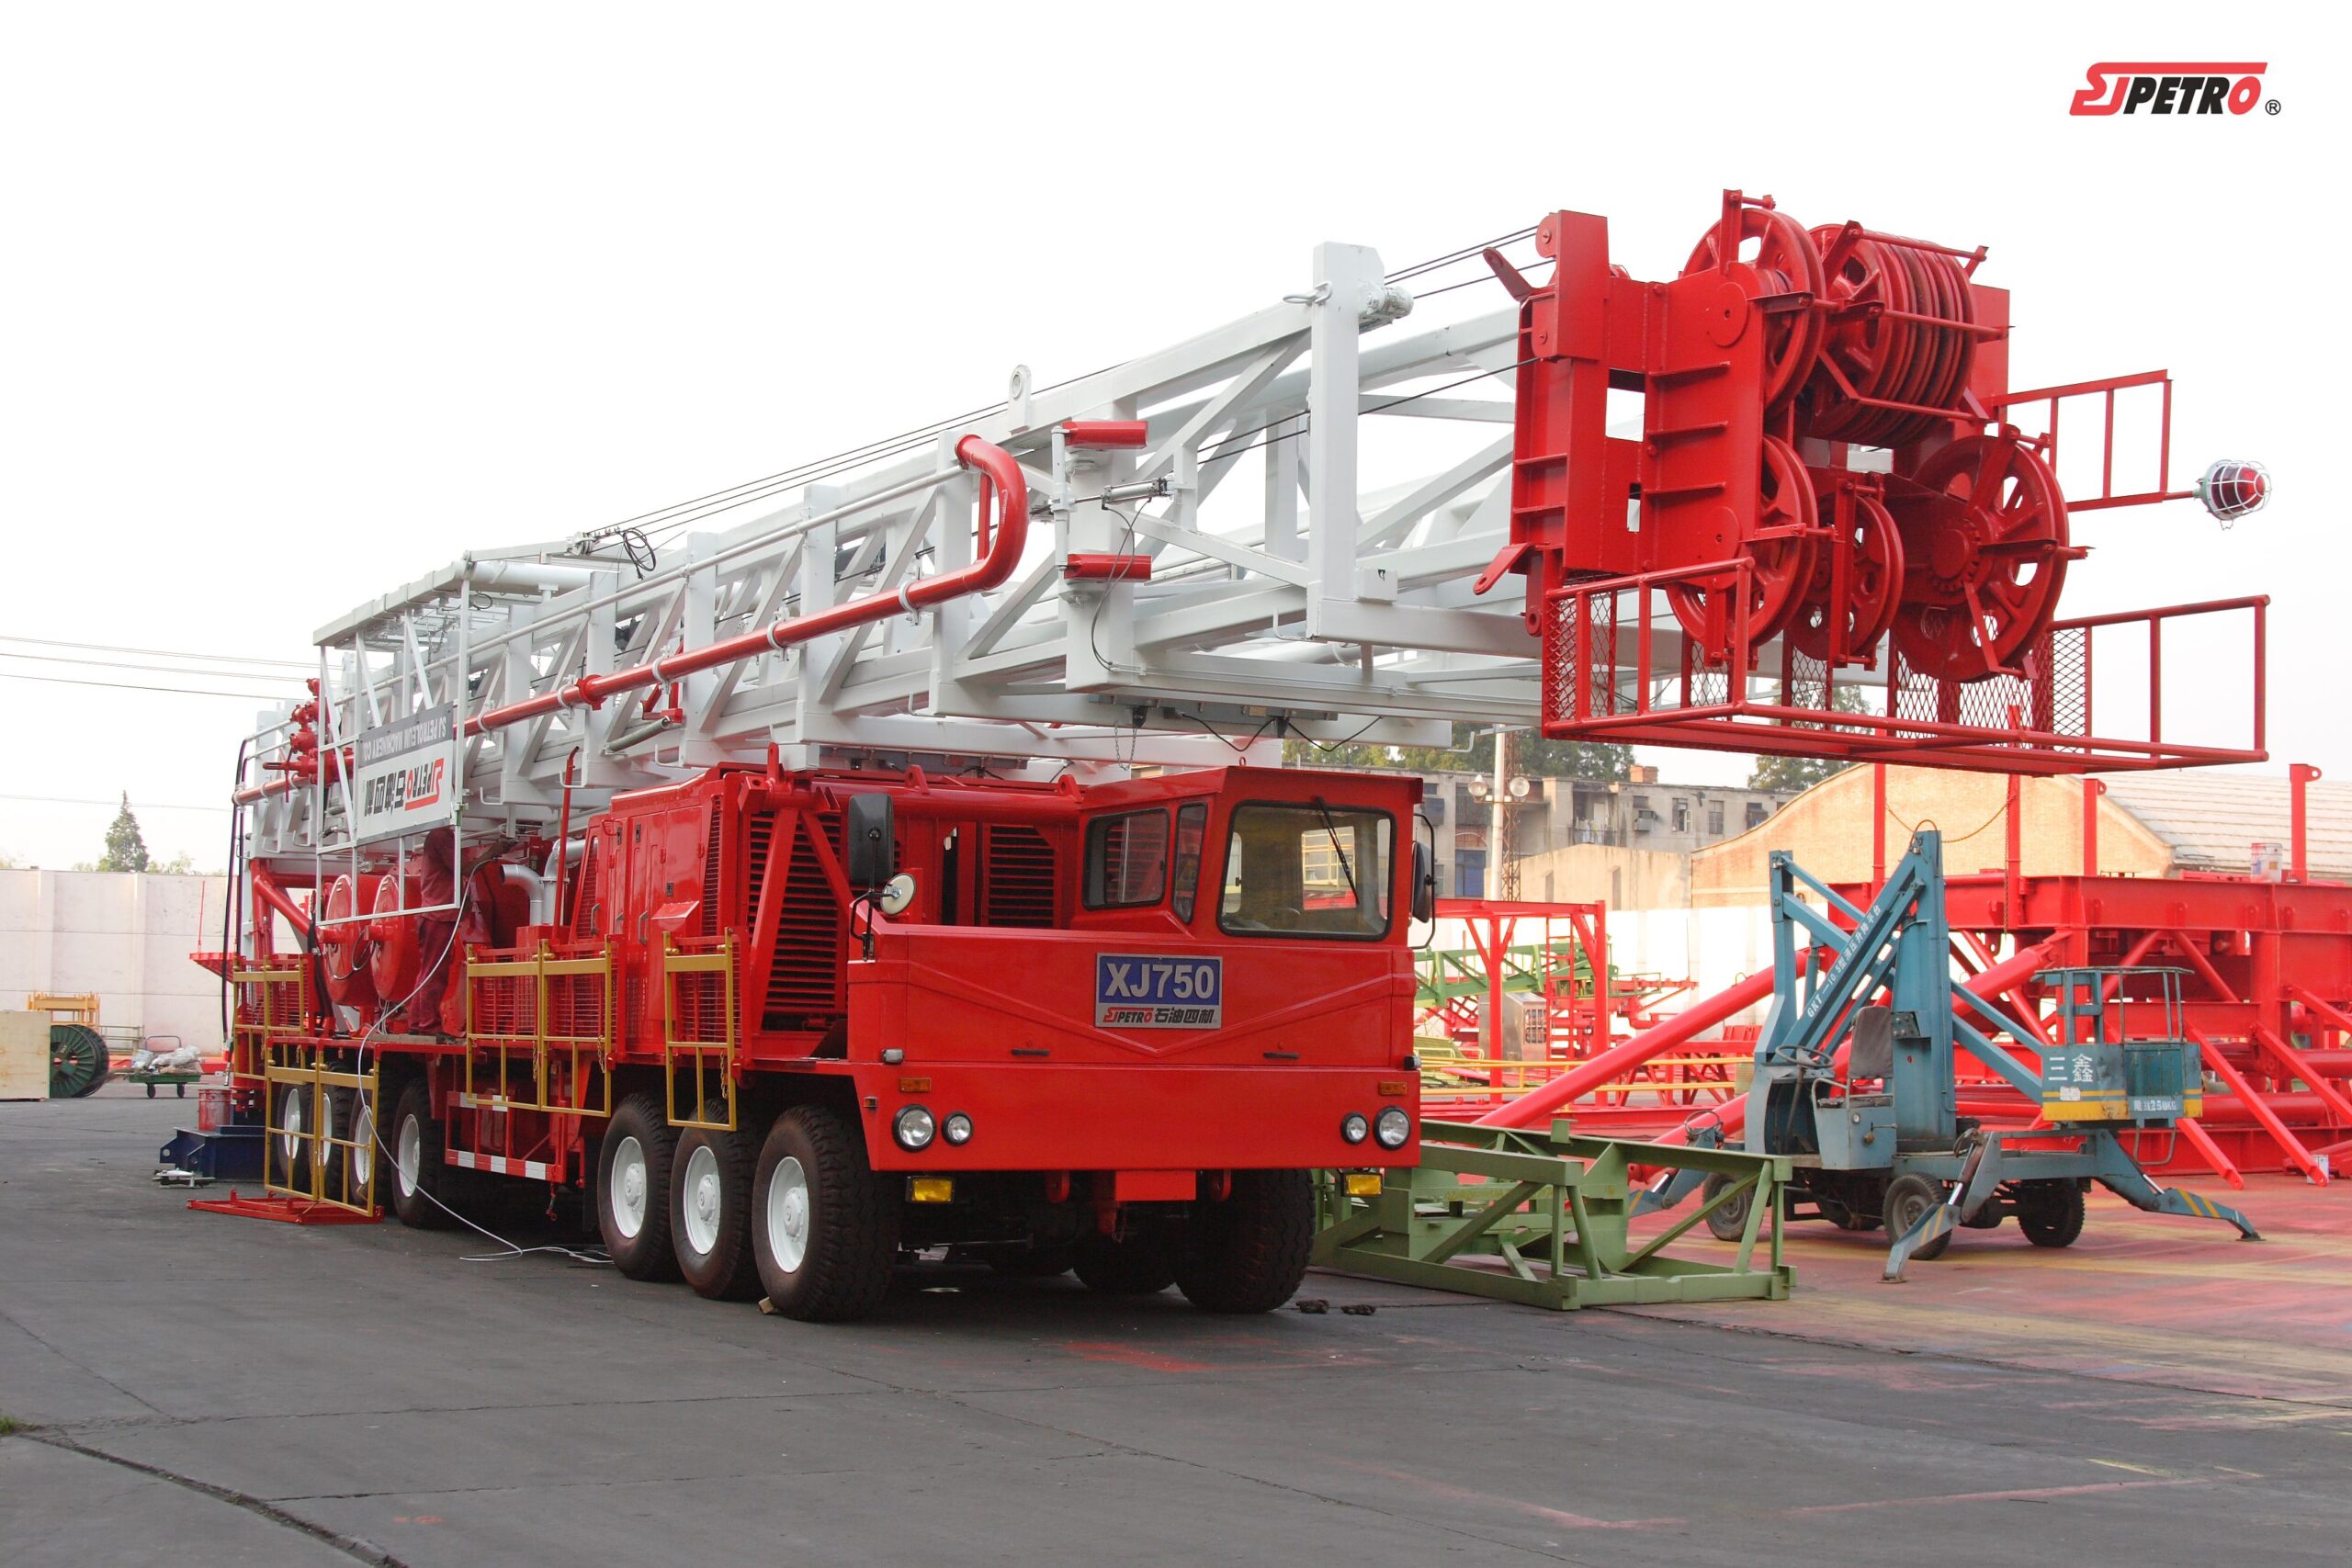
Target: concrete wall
1828, 830
125, 937
1622, 879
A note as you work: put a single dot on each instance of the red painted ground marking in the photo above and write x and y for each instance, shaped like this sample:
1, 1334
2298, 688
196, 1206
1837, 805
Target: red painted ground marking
1135, 1356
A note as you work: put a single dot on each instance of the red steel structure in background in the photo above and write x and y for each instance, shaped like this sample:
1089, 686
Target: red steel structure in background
1828, 537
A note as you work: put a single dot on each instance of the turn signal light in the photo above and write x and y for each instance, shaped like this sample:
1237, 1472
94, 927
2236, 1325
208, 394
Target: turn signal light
1362, 1183
931, 1190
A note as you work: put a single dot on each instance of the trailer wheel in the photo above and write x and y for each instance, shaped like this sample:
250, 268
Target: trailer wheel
1137, 1265
710, 1213
2051, 1212
1249, 1253
633, 1168
292, 1161
419, 1172
1907, 1198
824, 1227
1728, 1222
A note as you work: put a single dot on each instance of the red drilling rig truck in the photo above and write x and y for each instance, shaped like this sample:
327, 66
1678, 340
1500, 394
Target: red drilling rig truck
894, 854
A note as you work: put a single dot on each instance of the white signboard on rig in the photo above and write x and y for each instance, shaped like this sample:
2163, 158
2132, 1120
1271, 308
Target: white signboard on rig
405, 776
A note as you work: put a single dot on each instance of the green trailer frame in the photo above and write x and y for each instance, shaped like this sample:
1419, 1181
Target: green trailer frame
1542, 1219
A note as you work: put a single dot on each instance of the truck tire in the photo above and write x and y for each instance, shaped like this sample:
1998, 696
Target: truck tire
419, 1175
1137, 1265
633, 1168
1908, 1198
2051, 1212
824, 1226
710, 1213
1249, 1253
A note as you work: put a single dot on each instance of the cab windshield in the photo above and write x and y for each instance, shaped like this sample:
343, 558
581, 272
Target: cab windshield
1307, 869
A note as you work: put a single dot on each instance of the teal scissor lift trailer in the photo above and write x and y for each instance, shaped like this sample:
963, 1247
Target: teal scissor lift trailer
1856, 1083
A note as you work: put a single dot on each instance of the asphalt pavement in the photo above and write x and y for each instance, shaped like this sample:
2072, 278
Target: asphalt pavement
197, 1389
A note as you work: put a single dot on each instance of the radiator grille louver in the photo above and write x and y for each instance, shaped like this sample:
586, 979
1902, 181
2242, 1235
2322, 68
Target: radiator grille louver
806, 976
1017, 882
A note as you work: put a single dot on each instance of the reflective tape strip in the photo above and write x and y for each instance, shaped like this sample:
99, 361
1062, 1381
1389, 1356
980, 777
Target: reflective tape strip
499, 1165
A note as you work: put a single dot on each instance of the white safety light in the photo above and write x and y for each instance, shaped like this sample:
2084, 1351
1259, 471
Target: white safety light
1393, 1128
914, 1128
956, 1129
1355, 1127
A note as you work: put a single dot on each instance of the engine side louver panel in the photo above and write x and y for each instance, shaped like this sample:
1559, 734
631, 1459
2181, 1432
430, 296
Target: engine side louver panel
806, 981
1017, 887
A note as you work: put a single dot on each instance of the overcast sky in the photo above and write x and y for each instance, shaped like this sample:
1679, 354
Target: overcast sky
304, 301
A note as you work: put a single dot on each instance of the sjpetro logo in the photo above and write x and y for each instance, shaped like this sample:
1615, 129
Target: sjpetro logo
2172, 87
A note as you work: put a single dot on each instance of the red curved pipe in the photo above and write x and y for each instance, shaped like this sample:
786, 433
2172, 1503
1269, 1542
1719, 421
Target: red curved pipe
1001, 482
1003, 489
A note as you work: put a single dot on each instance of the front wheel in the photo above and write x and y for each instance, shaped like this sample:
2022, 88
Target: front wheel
1728, 1221
1908, 1199
1249, 1253
2050, 1212
824, 1226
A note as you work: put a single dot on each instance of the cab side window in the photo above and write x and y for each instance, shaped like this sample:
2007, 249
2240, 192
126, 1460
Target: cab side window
1126, 860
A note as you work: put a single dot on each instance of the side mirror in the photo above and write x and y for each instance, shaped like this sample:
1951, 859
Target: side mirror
1424, 882
873, 842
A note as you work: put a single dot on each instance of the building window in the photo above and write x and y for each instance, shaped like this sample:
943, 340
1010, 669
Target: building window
1682, 814
1716, 819
1755, 814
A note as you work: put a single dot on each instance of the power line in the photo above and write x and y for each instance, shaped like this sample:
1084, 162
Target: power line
136, 804
128, 686
149, 669
156, 653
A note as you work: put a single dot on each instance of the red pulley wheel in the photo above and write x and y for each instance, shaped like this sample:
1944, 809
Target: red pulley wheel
1984, 547
1874, 551
345, 948
392, 965
1783, 563
1785, 261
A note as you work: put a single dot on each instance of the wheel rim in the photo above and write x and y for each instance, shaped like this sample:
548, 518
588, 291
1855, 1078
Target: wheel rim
290, 1129
363, 1137
788, 1216
629, 1188
412, 1156
704, 1201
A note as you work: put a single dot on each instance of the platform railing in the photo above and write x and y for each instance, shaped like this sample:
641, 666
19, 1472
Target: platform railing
319, 1121
549, 1015
699, 1030
1618, 668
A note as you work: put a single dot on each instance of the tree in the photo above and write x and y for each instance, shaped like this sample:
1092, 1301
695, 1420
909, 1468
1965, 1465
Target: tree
126, 851
1473, 751
1791, 774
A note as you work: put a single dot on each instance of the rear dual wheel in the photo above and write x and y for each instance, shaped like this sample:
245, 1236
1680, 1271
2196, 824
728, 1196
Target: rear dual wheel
633, 1202
710, 1216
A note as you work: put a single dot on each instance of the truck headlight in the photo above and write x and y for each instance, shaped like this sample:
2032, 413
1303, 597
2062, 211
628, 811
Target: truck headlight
957, 1128
914, 1128
1393, 1128
1355, 1127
